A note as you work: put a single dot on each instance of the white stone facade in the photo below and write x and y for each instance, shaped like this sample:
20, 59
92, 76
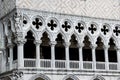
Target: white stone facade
94, 8
41, 17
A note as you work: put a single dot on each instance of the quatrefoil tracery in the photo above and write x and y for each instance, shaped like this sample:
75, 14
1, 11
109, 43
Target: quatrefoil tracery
37, 23
116, 31
105, 29
92, 28
66, 26
79, 27
52, 24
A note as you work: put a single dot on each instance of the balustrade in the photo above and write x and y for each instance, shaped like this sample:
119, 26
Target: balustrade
29, 62
44, 63
74, 64
87, 65
113, 66
62, 64
100, 65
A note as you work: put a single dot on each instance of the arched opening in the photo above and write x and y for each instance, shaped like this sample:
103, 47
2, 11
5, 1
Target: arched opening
29, 46
112, 54
69, 79
39, 79
87, 51
15, 52
96, 79
45, 47
100, 56
73, 49
59, 48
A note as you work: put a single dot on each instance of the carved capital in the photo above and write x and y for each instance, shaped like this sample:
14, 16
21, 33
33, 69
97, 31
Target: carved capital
53, 43
106, 46
10, 45
37, 42
93, 46
67, 44
19, 34
17, 75
21, 41
80, 45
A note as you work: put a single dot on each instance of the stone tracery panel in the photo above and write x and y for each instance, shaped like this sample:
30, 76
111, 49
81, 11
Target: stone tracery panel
69, 25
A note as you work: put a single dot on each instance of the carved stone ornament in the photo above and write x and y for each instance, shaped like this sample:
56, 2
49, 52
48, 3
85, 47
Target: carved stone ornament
17, 75
18, 21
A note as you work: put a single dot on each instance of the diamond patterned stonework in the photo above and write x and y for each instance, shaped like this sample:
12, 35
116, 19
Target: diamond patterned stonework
94, 8
59, 39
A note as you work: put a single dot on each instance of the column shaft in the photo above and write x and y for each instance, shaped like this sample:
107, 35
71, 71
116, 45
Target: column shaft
118, 58
67, 55
37, 55
53, 56
94, 58
11, 57
37, 42
20, 55
80, 58
106, 59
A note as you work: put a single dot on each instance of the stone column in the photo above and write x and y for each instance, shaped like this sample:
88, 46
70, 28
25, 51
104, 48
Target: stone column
20, 53
94, 56
67, 44
1, 69
106, 57
53, 43
11, 55
118, 57
80, 56
3, 56
37, 42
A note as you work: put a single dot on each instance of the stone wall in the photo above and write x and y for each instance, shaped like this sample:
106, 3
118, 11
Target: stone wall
93, 8
6, 6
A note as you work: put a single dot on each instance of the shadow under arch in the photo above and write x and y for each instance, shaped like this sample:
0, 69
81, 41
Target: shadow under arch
41, 76
70, 77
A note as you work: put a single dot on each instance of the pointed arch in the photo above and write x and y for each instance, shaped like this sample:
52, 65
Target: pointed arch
115, 40
73, 48
76, 36
42, 76
29, 46
112, 53
70, 77
87, 51
45, 48
64, 37
32, 31
99, 51
48, 33
60, 48
98, 77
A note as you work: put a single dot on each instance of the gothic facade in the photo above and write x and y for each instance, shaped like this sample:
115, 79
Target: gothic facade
62, 43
